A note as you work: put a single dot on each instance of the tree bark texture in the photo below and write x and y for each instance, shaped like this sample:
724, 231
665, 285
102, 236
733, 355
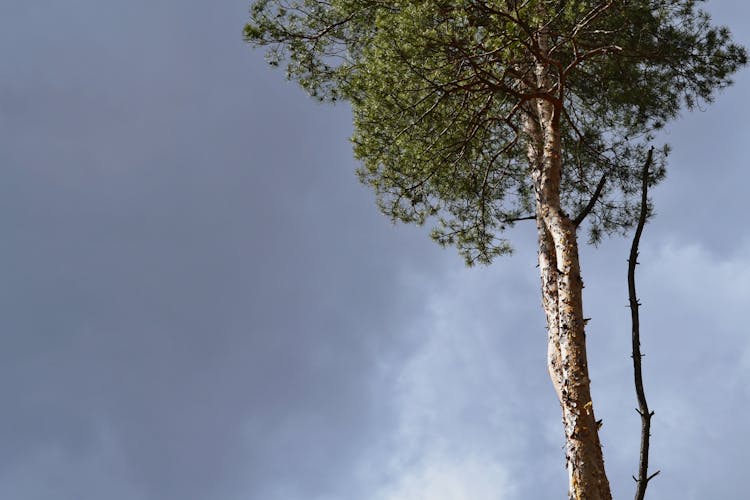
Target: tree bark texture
562, 290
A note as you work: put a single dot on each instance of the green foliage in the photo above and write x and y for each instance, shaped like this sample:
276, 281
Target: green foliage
439, 89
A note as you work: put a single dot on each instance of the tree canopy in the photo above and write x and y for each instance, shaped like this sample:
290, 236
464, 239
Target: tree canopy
474, 115
438, 90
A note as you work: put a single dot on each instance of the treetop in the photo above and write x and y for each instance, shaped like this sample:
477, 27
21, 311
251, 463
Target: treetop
439, 89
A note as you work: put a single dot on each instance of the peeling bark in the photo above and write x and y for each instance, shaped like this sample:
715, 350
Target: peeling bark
562, 292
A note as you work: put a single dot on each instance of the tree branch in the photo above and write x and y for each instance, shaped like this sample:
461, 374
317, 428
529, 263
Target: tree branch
643, 410
592, 202
518, 219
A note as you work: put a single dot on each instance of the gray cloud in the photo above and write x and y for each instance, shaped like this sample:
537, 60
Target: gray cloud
199, 301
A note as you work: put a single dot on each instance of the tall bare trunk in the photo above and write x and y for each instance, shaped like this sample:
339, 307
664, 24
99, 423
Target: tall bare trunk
562, 290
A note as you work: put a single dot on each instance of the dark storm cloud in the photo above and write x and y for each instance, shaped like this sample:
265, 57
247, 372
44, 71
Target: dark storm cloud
183, 264
199, 301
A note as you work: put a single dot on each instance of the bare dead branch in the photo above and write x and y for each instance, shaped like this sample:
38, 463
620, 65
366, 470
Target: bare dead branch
643, 411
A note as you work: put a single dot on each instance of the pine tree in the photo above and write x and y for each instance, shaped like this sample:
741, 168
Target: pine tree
473, 115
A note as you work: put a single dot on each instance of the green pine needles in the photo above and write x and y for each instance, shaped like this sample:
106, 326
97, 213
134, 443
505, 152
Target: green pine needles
439, 90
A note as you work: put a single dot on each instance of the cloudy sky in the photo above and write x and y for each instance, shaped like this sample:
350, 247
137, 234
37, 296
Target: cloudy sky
199, 302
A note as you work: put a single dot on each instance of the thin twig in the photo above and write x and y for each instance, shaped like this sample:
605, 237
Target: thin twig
592, 202
643, 410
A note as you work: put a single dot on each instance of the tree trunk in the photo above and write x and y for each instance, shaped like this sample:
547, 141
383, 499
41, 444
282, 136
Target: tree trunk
567, 363
562, 290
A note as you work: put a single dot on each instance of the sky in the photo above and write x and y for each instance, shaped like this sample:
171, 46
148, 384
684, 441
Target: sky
200, 302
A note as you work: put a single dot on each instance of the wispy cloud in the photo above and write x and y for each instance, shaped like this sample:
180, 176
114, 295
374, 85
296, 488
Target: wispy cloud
459, 429
448, 478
